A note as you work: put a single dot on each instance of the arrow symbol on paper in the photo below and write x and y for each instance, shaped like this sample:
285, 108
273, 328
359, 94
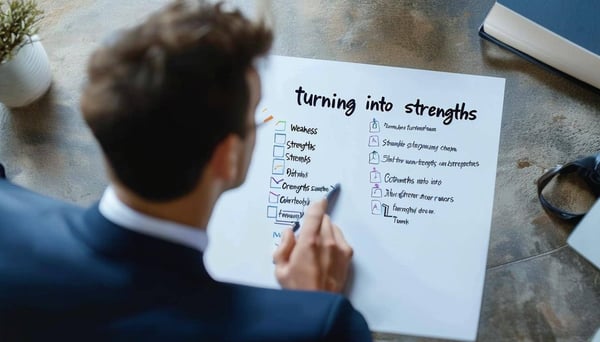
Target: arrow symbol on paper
386, 210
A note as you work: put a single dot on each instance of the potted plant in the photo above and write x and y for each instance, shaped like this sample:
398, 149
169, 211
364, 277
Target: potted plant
25, 73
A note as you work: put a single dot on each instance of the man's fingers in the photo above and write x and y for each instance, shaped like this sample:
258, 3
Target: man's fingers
312, 220
327, 236
328, 243
286, 246
341, 241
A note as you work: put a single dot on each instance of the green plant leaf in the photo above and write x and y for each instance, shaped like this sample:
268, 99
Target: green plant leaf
18, 20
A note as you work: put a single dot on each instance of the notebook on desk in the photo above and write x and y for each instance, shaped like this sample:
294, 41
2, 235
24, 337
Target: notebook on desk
585, 239
560, 35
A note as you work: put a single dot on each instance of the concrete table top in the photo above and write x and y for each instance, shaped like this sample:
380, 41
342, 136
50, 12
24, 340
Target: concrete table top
536, 287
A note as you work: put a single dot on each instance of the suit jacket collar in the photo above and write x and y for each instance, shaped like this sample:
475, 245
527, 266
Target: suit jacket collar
116, 242
113, 209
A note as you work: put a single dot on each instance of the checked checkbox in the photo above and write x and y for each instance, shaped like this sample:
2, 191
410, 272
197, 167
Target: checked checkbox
276, 182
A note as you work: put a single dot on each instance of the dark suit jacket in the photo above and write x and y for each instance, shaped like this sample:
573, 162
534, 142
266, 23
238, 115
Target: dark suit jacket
67, 273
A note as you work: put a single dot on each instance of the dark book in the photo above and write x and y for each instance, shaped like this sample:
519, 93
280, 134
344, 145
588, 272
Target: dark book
562, 35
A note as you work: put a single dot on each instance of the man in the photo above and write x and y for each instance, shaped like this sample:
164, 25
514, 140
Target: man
171, 103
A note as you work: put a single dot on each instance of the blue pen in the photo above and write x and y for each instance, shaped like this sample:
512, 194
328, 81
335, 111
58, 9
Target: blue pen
331, 197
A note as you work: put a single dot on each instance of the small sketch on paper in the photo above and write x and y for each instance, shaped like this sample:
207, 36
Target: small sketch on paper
373, 157
374, 141
386, 211
375, 176
375, 207
376, 191
278, 166
374, 126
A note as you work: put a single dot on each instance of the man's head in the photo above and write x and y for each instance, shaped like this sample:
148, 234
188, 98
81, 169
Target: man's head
165, 94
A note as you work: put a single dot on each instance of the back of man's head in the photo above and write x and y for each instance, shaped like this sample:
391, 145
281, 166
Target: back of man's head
163, 94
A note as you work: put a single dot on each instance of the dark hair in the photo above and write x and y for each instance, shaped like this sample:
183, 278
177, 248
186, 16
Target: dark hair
163, 94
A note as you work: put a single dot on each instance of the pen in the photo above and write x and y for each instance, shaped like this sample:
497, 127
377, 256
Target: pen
331, 197
264, 121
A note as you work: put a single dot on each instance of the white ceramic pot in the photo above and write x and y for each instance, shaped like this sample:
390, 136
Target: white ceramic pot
25, 77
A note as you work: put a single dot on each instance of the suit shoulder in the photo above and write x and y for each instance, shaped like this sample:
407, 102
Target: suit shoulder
15, 198
313, 314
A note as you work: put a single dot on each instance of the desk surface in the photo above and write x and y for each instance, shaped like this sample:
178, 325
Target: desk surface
536, 287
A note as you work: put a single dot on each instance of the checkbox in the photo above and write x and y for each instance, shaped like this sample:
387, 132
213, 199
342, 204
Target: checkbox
375, 176
273, 197
276, 183
271, 211
374, 126
280, 125
279, 138
278, 151
278, 166
375, 207
374, 141
376, 192
374, 157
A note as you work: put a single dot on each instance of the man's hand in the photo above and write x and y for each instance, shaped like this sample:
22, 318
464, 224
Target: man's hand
319, 259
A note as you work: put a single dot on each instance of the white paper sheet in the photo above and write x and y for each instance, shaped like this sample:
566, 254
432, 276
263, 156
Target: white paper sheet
416, 189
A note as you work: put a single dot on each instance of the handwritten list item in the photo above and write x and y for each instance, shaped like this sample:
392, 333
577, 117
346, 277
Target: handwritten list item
415, 152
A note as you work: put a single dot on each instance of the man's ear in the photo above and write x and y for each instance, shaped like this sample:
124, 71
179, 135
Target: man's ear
225, 161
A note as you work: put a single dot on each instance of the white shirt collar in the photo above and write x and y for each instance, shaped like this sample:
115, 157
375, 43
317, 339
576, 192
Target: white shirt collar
119, 213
